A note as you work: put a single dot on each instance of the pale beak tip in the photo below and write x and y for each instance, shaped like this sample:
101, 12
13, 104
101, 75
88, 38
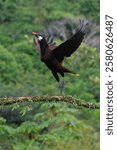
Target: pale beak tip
34, 33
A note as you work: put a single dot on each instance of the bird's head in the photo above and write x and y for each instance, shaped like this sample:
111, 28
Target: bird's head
38, 36
40, 42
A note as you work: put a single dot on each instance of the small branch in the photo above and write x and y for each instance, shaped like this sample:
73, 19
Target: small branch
67, 99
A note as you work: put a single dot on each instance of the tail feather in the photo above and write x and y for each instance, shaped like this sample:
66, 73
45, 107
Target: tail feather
55, 75
62, 73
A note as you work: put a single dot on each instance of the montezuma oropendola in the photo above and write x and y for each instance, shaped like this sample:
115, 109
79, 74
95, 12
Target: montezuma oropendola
53, 55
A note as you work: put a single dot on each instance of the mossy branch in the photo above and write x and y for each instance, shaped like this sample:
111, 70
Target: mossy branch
67, 99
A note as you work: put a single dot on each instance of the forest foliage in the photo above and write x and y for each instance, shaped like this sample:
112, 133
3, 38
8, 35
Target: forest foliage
46, 126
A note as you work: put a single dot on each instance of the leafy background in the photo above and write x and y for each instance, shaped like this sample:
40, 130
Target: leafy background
45, 126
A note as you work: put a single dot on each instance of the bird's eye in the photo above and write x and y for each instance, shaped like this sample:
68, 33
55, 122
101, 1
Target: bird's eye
40, 38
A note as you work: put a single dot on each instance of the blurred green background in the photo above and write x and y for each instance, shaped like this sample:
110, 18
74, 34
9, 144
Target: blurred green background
48, 126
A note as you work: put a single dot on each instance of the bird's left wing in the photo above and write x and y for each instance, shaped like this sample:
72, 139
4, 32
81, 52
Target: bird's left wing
69, 46
51, 44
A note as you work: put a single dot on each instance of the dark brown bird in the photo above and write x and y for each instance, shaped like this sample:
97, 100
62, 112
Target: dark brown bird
53, 55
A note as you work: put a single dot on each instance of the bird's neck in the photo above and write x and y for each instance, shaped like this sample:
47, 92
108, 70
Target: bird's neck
44, 48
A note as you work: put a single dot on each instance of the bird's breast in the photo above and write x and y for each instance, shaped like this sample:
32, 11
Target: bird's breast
47, 57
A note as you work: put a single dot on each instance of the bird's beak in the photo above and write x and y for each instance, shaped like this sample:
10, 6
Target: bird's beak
34, 33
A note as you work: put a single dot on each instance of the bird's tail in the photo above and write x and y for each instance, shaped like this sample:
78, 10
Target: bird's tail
69, 71
55, 75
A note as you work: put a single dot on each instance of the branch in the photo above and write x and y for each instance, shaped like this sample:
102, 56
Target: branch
67, 99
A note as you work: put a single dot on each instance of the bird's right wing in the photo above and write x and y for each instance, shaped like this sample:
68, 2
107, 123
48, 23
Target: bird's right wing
71, 45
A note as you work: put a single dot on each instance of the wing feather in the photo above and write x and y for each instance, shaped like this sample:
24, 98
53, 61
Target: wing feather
71, 45
52, 45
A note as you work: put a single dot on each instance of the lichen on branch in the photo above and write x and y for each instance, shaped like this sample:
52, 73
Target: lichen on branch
68, 99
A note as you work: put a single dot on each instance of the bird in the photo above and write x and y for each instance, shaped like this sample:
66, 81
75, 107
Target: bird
53, 55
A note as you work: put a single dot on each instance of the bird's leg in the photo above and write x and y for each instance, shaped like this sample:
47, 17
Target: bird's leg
61, 86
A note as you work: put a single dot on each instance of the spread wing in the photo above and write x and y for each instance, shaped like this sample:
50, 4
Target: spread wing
52, 45
71, 45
